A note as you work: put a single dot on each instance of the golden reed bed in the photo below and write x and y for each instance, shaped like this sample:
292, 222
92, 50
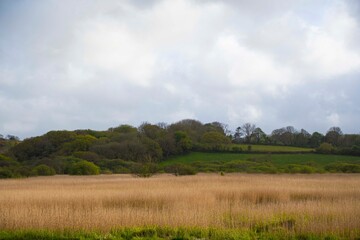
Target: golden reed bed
301, 203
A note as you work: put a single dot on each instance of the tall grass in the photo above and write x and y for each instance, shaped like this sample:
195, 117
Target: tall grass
296, 204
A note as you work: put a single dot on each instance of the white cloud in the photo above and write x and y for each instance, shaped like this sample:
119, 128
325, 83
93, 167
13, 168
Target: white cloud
107, 45
95, 64
333, 119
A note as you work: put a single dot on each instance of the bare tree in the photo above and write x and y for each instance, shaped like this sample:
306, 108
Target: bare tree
245, 130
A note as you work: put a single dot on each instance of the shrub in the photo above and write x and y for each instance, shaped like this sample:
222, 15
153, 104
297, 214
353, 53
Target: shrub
180, 169
43, 170
84, 168
236, 149
145, 170
5, 173
7, 161
343, 167
295, 168
325, 148
22, 171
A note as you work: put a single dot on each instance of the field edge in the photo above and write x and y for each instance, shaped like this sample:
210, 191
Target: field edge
154, 232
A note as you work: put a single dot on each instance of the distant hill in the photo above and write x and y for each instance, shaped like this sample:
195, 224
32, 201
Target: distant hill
149, 148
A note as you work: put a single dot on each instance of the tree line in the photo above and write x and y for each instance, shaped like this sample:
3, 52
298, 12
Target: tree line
126, 148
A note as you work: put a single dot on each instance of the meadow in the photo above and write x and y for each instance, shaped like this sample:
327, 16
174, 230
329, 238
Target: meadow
208, 206
278, 159
272, 148
266, 163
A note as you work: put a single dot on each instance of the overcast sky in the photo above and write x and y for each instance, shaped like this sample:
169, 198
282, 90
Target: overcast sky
83, 64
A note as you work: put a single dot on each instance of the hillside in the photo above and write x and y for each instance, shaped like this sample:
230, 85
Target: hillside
150, 149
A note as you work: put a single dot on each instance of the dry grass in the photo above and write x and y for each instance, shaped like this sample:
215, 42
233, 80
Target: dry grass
298, 203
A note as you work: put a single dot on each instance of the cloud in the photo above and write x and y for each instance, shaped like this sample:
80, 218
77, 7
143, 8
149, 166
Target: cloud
96, 64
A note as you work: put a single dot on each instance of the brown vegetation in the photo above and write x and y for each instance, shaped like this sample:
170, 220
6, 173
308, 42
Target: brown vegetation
303, 204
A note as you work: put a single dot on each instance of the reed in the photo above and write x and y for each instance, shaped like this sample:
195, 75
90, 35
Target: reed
299, 204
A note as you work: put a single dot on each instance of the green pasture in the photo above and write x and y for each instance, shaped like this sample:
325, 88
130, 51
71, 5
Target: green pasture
276, 159
263, 163
271, 148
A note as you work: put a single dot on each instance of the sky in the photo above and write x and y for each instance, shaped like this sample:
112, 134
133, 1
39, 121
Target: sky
92, 64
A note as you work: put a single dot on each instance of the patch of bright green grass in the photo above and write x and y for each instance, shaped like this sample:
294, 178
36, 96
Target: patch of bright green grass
168, 233
270, 148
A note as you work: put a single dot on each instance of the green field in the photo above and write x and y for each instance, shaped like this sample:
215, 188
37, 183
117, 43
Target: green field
271, 148
267, 163
277, 159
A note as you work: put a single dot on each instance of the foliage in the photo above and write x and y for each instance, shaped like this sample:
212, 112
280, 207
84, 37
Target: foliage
43, 170
260, 231
6, 161
183, 142
325, 148
343, 167
5, 172
160, 143
84, 168
180, 169
145, 170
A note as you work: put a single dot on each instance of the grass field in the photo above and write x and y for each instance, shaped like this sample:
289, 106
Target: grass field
206, 206
218, 160
272, 148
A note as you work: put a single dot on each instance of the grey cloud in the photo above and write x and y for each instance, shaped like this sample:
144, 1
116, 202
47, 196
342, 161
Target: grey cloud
96, 64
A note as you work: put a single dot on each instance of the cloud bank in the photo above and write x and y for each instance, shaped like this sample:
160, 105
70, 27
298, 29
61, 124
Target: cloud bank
97, 64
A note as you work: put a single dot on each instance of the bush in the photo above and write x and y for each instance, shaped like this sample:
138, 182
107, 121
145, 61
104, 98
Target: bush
295, 168
22, 171
5, 173
343, 168
236, 149
145, 170
7, 161
84, 168
180, 169
325, 148
43, 170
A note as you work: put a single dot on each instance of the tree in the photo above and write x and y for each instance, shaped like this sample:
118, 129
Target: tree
333, 136
12, 137
246, 131
124, 128
284, 136
151, 131
218, 127
316, 139
215, 140
302, 138
238, 136
183, 142
258, 136
80, 143
193, 128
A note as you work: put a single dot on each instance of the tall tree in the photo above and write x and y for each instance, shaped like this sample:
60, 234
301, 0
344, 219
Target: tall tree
333, 136
258, 136
246, 130
316, 139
